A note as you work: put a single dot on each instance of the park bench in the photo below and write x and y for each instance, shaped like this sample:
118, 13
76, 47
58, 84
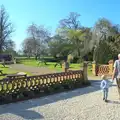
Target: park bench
3, 63
18, 75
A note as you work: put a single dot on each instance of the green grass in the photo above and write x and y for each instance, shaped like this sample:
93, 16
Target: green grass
50, 65
7, 70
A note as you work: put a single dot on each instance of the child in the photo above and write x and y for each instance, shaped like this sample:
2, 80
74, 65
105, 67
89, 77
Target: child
105, 86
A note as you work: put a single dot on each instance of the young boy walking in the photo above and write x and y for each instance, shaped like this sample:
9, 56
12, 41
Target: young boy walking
105, 83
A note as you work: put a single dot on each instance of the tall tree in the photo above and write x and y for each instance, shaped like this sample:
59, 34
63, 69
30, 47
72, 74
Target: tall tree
27, 47
10, 48
6, 28
71, 22
35, 44
103, 32
38, 32
59, 46
78, 35
81, 41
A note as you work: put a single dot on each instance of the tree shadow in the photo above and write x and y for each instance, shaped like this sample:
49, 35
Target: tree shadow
24, 113
114, 85
4, 74
29, 114
5, 67
113, 102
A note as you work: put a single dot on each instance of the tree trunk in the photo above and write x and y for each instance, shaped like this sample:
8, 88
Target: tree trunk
0, 49
36, 57
29, 56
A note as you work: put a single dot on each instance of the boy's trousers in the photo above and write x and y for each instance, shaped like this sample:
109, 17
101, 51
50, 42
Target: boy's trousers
105, 93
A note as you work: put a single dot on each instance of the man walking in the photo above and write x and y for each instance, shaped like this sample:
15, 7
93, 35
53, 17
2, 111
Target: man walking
116, 73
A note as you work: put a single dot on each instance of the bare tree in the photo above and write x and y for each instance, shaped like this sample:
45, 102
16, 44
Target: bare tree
10, 44
36, 41
71, 22
38, 32
6, 28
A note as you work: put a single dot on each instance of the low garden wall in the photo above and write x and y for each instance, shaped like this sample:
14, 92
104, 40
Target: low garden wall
102, 69
17, 89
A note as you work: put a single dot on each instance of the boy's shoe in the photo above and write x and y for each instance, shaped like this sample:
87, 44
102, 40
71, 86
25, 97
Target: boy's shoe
106, 100
103, 98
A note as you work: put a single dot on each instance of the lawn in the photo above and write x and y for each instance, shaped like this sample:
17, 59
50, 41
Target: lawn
50, 65
7, 70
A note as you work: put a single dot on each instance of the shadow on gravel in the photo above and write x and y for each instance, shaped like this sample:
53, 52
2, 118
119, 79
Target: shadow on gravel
113, 102
24, 109
20, 110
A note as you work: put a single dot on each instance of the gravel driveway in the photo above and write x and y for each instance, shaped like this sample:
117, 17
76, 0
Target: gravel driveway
81, 104
32, 69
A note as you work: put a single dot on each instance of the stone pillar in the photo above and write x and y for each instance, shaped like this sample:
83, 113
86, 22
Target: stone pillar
85, 72
63, 66
110, 67
94, 70
66, 66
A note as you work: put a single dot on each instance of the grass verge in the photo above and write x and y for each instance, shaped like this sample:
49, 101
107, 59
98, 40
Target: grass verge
50, 65
8, 70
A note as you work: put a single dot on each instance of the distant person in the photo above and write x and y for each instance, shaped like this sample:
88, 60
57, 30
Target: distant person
116, 73
85, 58
105, 83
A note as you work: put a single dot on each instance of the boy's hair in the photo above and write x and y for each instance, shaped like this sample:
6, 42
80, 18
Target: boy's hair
103, 77
118, 55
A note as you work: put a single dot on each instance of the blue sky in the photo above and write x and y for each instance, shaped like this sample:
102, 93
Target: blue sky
48, 12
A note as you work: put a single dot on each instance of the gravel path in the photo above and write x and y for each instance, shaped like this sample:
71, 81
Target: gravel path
80, 104
31, 69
